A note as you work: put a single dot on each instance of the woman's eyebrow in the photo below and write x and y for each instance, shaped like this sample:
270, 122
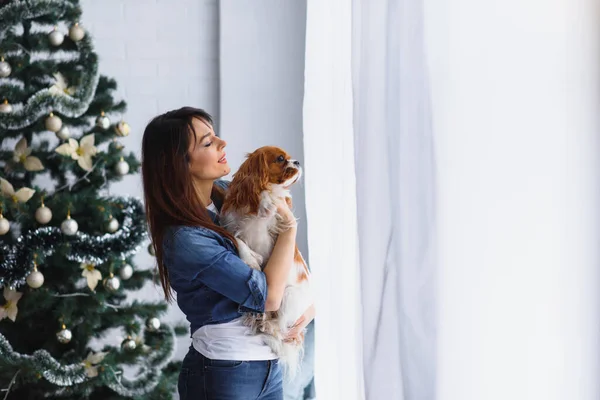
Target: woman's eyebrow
205, 136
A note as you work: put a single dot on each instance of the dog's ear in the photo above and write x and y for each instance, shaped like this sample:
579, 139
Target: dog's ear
256, 166
249, 181
247, 193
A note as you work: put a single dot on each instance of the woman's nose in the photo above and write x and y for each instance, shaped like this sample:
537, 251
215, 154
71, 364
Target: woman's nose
223, 143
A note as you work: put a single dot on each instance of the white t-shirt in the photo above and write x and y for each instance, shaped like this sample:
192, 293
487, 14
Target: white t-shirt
230, 340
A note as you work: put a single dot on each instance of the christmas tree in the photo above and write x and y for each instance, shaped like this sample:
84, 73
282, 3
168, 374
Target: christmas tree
66, 244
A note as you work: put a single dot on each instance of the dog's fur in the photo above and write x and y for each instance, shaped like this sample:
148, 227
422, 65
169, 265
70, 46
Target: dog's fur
249, 212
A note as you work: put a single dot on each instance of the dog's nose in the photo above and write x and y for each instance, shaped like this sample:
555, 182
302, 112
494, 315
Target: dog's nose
297, 163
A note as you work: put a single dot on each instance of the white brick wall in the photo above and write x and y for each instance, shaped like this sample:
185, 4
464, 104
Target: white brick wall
163, 54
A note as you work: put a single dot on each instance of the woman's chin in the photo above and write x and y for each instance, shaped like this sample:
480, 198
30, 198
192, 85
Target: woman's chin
226, 170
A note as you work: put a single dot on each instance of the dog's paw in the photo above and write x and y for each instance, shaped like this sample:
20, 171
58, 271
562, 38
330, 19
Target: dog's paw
250, 257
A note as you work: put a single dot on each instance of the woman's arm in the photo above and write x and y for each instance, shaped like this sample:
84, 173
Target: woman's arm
194, 257
278, 267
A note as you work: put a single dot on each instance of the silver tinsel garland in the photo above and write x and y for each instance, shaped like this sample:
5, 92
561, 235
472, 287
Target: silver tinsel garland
17, 260
18, 10
44, 363
71, 375
43, 102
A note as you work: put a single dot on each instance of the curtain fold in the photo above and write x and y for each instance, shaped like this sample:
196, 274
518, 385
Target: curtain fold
369, 198
395, 197
330, 190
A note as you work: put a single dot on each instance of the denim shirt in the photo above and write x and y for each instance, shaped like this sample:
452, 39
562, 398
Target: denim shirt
213, 284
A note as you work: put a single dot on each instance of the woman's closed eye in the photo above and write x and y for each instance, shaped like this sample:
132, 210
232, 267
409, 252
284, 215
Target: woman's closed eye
208, 144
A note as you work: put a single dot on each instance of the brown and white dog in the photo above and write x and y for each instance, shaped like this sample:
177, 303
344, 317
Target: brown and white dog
249, 212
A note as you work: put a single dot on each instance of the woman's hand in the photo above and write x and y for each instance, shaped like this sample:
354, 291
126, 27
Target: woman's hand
296, 333
287, 217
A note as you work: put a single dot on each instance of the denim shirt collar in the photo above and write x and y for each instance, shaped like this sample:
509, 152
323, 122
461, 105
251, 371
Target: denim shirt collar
214, 217
217, 202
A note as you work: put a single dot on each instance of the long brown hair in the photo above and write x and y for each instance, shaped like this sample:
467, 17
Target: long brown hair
169, 193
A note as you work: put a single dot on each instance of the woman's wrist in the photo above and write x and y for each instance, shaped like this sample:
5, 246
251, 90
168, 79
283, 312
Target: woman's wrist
290, 229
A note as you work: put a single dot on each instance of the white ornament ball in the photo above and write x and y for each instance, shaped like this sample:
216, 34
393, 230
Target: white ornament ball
64, 133
64, 336
76, 33
5, 69
69, 226
5, 107
103, 122
153, 324
43, 215
4, 226
128, 344
35, 279
112, 225
53, 123
151, 249
123, 128
56, 38
122, 168
126, 272
112, 283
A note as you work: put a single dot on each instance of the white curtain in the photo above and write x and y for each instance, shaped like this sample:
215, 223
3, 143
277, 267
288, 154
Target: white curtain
369, 191
395, 187
330, 190
517, 126
514, 106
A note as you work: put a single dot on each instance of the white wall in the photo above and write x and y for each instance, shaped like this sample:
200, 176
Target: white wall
164, 55
262, 82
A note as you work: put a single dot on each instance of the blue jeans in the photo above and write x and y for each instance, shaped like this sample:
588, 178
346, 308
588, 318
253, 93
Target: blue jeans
204, 379
302, 387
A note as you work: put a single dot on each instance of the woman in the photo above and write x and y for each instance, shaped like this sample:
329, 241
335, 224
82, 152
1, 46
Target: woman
182, 160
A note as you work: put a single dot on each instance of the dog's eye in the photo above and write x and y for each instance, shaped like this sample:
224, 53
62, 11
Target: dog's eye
280, 159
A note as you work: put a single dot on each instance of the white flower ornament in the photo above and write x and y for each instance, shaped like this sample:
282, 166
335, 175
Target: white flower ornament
82, 151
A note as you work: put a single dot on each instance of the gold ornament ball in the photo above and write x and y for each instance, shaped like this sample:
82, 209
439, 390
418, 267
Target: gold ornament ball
128, 344
64, 133
76, 32
122, 168
112, 283
64, 336
53, 123
43, 215
69, 226
5, 107
56, 38
4, 226
123, 128
35, 279
5, 68
103, 122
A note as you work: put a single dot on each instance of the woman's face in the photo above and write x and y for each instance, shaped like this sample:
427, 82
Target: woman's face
207, 153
